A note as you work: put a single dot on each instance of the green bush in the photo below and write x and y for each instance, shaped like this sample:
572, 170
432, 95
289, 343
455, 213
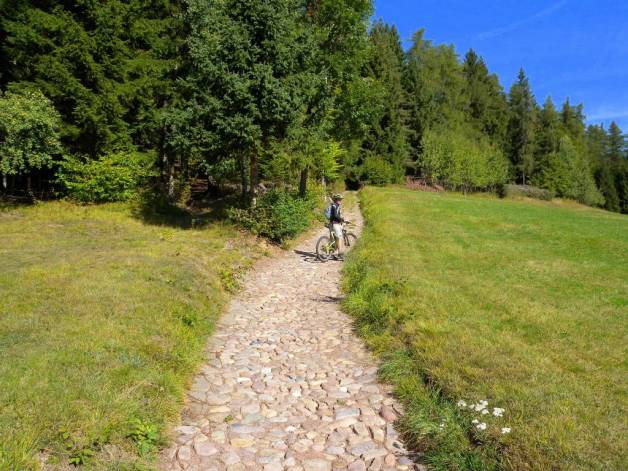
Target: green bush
462, 160
29, 132
278, 215
114, 177
528, 192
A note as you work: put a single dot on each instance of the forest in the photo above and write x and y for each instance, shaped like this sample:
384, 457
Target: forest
99, 99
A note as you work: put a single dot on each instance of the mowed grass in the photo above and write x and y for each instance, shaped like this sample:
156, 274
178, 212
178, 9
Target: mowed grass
103, 320
521, 304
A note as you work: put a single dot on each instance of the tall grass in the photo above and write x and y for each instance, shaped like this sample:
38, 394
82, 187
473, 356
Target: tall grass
520, 304
102, 321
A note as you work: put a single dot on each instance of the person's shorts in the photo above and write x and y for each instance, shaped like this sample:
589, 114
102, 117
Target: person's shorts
337, 228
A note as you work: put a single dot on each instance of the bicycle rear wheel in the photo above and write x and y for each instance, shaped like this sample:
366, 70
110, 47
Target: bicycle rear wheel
325, 248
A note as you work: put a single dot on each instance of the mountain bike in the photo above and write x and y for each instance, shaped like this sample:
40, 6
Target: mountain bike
326, 246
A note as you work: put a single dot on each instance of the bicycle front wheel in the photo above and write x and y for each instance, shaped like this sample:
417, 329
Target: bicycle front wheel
325, 248
350, 239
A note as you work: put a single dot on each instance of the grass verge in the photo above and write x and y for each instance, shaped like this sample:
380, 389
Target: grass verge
522, 305
103, 320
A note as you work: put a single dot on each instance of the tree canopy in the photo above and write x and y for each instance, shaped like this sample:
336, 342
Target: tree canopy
283, 93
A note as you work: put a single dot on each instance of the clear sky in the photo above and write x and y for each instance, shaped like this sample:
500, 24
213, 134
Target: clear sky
568, 48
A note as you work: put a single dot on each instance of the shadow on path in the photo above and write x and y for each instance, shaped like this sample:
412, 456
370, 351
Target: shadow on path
308, 256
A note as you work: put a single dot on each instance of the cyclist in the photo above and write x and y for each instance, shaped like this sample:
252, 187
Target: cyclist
336, 220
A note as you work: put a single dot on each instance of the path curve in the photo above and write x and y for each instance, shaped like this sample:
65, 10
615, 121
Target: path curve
287, 384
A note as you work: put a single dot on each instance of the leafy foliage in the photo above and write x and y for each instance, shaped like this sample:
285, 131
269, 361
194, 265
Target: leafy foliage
278, 215
29, 136
114, 177
464, 162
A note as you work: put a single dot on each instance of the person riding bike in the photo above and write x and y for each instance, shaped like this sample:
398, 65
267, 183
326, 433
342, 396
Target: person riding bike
336, 221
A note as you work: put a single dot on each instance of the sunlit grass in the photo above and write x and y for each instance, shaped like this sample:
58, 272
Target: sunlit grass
521, 304
103, 320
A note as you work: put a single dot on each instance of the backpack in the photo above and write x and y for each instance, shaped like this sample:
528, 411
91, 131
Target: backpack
328, 212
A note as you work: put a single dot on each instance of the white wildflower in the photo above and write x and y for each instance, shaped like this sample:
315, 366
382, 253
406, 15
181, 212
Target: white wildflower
442, 425
479, 407
475, 421
498, 411
484, 411
481, 426
505, 430
462, 403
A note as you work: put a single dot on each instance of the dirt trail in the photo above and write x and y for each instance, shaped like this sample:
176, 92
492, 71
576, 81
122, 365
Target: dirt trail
287, 384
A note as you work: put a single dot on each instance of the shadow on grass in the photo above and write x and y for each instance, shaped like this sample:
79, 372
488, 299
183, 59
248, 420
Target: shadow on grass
153, 207
10, 203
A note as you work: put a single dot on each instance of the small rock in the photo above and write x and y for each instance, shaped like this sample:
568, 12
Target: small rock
316, 465
242, 442
184, 454
205, 448
357, 465
348, 412
388, 414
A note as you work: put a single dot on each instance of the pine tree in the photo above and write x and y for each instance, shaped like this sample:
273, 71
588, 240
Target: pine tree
246, 86
521, 127
616, 143
104, 65
384, 149
435, 86
487, 101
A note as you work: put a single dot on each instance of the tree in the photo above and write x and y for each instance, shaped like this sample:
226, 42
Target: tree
521, 127
616, 143
245, 86
383, 148
488, 106
29, 133
435, 87
106, 66
567, 174
572, 118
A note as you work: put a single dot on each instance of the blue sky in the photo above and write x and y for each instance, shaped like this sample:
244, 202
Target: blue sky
568, 48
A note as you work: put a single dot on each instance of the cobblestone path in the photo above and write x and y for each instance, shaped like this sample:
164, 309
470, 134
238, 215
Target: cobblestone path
287, 384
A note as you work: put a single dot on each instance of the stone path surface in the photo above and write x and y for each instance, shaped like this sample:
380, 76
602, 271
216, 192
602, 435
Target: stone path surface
287, 384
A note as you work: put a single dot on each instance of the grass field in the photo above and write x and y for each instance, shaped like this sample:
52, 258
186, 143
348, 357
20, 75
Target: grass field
521, 304
102, 321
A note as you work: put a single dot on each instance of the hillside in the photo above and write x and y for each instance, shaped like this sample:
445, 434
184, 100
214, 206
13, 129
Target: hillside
519, 304
103, 320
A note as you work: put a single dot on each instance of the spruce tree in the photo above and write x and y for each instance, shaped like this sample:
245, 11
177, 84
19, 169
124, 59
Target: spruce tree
487, 102
104, 65
616, 143
384, 149
435, 87
521, 127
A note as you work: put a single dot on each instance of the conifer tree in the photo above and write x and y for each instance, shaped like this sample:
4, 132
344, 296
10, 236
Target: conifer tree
435, 87
487, 101
521, 127
384, 149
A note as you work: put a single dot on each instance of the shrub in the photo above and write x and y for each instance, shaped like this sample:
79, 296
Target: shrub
29, 135
527, 191
114, 177
462, 160
278, 215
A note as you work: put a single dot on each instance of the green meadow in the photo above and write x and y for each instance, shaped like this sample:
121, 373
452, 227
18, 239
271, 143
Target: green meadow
103, 320
521, 304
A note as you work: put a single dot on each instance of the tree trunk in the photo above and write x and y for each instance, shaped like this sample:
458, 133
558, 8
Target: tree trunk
171, 187
303, 183
254, 176
4, 181
243, 179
